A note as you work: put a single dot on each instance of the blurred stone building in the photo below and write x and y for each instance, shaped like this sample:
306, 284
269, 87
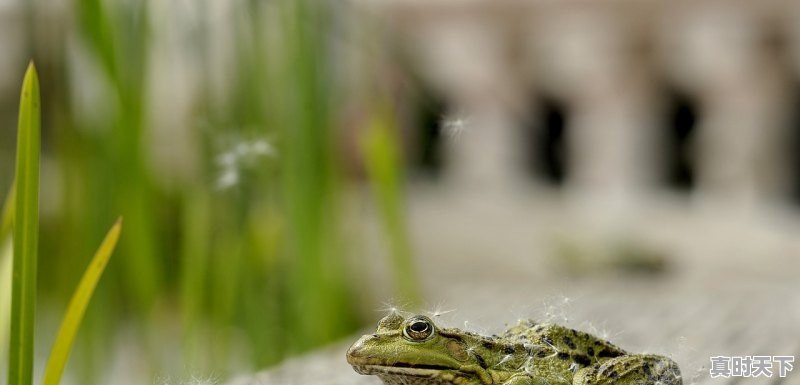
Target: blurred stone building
634, 94
662, 123
673, 122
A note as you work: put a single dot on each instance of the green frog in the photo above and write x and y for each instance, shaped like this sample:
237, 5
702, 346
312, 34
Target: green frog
415, 351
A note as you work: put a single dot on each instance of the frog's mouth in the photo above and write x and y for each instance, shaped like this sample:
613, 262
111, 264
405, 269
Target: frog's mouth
401, 369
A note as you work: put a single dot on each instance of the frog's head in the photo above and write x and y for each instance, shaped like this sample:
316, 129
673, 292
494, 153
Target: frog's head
415, 347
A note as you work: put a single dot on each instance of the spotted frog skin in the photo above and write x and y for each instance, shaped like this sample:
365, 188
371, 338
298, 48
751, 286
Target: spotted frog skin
414, 351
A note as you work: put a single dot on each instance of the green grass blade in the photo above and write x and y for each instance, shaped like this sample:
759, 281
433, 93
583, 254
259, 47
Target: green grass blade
26, 233
77, 307
5, 294
7, 217
6, 221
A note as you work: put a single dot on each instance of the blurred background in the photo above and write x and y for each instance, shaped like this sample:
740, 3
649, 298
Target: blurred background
288, 170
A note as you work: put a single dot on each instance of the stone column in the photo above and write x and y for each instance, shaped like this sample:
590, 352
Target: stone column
722, 56
587, 58
466, 58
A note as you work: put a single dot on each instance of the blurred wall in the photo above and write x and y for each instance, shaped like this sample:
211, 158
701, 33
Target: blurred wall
672, 124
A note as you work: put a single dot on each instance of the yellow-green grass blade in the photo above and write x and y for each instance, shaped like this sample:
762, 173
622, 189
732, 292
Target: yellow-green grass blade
5, 294
77, 307
7, 217
6, 220
26, 233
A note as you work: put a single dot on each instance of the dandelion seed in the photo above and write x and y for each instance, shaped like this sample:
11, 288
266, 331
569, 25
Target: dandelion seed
391, 308
504, 359
453, 128
196, 380
470, 350
528, 365
438, 311
529, 348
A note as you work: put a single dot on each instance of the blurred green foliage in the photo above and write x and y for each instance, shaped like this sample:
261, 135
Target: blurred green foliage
243, 256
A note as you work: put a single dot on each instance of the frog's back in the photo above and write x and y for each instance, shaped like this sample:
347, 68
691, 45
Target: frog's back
564, 343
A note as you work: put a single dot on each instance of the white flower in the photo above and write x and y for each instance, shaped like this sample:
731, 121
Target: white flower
228, 178
241, 154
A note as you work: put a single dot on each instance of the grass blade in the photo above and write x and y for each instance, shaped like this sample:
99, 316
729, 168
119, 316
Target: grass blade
5, 294
77, 307
7, 217
6, 221
26, 233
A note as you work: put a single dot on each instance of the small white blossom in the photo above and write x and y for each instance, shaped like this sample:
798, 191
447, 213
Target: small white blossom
228, 178
241, 154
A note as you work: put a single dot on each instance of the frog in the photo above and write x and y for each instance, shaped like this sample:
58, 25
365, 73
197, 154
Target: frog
414, 350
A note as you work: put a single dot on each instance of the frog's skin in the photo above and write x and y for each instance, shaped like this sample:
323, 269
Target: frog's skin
414, 351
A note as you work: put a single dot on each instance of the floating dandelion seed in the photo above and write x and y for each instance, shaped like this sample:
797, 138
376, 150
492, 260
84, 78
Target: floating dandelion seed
194, 380
454, 127
528, 348
392, 308
555, 309
529, 365
608, 335
595, 328
470, 350
438, 311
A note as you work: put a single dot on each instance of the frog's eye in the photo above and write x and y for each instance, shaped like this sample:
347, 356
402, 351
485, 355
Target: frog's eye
418, 328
